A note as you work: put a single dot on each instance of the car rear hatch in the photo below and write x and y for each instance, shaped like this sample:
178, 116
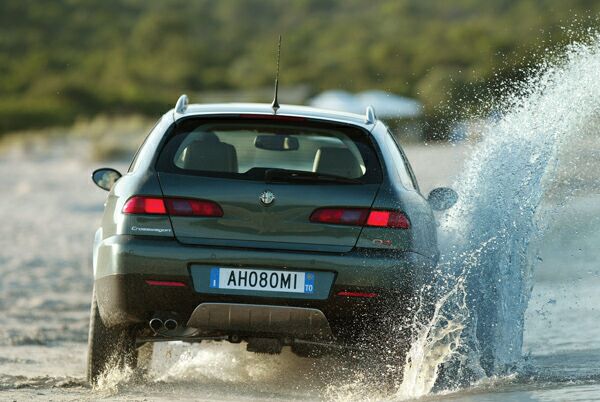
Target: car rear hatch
268, 177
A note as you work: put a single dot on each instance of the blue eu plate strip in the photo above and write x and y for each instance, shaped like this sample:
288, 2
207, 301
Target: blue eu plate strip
214, 278
309, 282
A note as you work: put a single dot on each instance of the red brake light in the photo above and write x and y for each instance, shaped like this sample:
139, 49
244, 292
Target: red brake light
367, 295
175, 206
271, 116
388, 219
340, 216
191, 207
170, 284
145, 205
360, 217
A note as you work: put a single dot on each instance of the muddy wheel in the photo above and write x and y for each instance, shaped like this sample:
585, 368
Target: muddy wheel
381, 366
108, 347
381, 353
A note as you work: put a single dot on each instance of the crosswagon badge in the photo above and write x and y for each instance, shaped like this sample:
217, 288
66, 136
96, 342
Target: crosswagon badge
267, 197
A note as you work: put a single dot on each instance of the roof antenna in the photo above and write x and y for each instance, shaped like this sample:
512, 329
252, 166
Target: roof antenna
275, 104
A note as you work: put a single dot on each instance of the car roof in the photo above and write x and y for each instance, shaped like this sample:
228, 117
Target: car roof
266, 109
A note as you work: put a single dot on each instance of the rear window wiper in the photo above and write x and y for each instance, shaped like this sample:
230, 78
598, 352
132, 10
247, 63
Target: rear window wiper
286, 175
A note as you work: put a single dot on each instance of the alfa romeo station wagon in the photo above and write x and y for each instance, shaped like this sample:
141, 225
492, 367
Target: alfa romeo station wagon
278, 227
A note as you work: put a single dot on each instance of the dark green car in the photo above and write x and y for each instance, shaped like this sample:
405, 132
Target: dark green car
300, 227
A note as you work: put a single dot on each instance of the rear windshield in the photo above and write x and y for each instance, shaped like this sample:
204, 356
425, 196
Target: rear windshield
254, 149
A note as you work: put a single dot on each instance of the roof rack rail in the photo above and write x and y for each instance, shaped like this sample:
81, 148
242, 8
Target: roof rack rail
370, 117
182, 104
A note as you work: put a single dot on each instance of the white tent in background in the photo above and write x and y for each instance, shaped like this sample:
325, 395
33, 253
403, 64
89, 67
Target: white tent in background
337, 100
390, 106
387, 105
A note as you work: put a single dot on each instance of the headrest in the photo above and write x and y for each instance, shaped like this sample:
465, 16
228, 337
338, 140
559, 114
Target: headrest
338, 162
205, 136
210, 155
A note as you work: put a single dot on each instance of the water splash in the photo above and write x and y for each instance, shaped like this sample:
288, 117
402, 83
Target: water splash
485, 272
114, 379
435, 341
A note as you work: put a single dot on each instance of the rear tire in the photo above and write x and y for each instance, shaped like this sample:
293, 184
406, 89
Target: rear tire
379, 364
144, 358
108, 348
382, 343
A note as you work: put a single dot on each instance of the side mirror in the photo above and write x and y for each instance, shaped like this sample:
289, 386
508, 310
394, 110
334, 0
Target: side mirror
442, 198
105, 178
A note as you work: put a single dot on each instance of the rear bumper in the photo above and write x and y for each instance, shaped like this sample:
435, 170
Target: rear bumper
124, 263
295, 322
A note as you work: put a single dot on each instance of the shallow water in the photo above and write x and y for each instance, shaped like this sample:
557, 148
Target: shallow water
44, 329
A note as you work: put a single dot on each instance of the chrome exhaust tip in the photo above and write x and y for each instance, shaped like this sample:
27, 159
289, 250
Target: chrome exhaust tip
171, 324
156, 324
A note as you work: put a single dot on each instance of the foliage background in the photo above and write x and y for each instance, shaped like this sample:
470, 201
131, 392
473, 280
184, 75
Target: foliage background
63, 59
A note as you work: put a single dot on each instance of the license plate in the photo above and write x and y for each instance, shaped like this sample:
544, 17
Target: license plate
262, 280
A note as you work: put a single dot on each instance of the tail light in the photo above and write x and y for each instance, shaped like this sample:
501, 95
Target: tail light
172, 206
366, 295
388, 219
169, 284
190, 207
145, 205
340, 216
361, 217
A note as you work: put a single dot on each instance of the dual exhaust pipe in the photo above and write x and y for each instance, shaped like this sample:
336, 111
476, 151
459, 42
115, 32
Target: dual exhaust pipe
157, 325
